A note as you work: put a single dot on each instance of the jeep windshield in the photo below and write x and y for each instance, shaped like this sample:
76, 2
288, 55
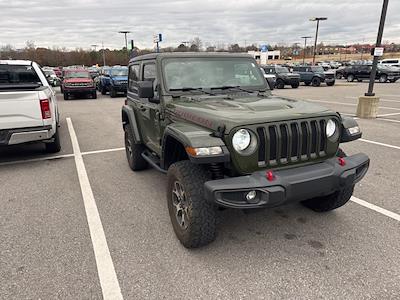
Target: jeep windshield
192, 73
18, 76
119, 72
77, 74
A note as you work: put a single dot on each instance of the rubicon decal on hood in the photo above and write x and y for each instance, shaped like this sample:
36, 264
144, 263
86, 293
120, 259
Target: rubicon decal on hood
194, 118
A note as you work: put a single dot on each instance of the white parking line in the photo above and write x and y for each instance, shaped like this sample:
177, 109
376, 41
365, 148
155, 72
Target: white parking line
376, 208
381, 99
387, 115
103, 151
388, 120
22, 161
380, 144
348, 104
105, 267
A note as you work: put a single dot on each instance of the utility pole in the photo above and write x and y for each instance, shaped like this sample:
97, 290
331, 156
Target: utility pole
104, 55
125, 32
316, 35
378, 44
305, 47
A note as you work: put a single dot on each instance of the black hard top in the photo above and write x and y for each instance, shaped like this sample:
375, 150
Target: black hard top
187, 54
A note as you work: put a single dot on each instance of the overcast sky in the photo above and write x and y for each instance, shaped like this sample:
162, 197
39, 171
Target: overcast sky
81, 23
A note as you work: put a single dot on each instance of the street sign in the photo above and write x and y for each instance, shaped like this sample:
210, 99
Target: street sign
264, 48
157, 38
378, 51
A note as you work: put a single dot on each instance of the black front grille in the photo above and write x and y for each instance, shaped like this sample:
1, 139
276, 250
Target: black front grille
290, 142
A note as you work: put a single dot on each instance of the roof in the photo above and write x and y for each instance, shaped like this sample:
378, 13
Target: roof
188, 54
16, 62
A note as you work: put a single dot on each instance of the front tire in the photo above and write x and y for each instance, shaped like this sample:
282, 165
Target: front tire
94, 95
66, 96
333, 201
330, 83
295, 85
134, 151
193, 218
113, 93
382, 78
316, 82
350, 78
280, 84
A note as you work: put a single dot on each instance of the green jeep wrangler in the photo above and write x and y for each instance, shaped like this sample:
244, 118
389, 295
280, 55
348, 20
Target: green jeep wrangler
210, 122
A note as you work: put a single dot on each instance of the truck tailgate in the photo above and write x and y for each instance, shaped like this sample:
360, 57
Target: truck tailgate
20, 109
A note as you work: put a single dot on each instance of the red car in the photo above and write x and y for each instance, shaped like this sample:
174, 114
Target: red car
78, 82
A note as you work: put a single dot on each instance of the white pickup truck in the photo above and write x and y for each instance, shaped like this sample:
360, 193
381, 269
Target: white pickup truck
28, 106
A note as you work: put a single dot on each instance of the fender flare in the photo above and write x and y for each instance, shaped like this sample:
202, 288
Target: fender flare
129, 119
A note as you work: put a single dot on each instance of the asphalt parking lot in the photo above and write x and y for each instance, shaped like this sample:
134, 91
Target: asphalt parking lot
52, 244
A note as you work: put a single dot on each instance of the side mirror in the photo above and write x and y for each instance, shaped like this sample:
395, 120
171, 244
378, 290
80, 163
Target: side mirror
145, 89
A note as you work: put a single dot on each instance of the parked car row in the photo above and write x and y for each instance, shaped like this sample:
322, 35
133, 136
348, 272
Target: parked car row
361, 72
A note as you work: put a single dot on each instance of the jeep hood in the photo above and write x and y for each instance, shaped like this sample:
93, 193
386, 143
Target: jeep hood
218, 111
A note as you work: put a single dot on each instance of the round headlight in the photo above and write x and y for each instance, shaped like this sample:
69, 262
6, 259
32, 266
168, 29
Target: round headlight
241, 140
330, 128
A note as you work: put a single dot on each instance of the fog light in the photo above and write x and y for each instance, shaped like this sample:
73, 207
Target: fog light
250, 196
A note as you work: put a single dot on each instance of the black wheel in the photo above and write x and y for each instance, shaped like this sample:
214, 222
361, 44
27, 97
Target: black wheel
66, 96
350, 78
330, 83
193, 218
280, 84
333, 201
316, 81
307, 83
113, 93
295, 85
339, 75
103, 90
54, 146
94, 95
383, 78
134, 151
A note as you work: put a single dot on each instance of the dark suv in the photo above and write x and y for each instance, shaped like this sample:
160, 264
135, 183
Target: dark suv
360, 72
210, 122
283, 76
314, 75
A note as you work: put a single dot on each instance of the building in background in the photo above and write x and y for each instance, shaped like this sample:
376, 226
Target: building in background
263, 57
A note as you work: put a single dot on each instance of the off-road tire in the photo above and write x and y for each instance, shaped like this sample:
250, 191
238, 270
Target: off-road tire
134, 155
280, 84
330, 83
383, 78
316, 82
103, 90
350, 78
333, 201
54, 146
295, 85
201, 226
113, 94
94, 95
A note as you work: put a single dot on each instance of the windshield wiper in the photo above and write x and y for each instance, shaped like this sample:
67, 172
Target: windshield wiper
187, 89
228, 87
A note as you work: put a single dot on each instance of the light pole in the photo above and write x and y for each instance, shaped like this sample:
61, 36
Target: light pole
125, 32
104, 55
305, 47
316, 35
95, 47
378, 44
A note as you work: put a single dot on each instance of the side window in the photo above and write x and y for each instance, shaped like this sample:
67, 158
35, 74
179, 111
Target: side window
133, 77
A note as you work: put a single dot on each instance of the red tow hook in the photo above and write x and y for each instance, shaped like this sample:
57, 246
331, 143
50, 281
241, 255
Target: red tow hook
270, 176
341, 161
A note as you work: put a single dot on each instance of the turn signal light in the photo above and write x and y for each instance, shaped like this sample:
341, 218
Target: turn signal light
270, 176
341, 161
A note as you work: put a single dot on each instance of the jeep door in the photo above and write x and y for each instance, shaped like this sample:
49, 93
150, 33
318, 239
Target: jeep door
149, 111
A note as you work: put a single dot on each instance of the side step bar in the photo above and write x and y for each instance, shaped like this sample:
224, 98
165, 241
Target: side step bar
150, 159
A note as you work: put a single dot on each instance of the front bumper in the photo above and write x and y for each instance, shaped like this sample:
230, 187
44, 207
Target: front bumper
25, 135
329, 80
79, 90
290, 185
122, 88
